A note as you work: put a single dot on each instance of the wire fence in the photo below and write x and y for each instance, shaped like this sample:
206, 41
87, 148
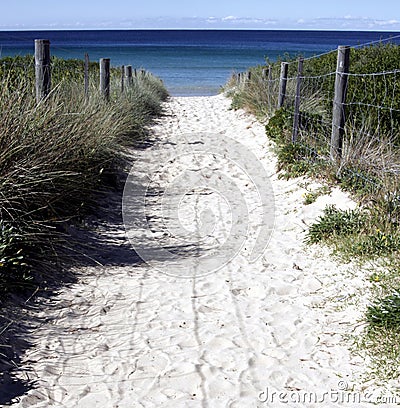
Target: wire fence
45, 72
361, 139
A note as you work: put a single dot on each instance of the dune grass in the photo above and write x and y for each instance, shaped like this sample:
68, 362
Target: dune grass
56, 156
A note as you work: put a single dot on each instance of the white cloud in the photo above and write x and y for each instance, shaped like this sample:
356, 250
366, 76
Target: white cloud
344, 23
230, 22
243, 20
386, 22
229, 18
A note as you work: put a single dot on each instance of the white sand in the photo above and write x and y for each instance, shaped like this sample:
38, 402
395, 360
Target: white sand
133, 336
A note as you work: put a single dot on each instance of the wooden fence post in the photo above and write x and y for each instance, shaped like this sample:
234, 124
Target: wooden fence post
122, 79
269, 89
282, 83
128, 75
42, 69
87, 76
269, 73
265, 73
296, 118
248, 77
339, 113
105, 77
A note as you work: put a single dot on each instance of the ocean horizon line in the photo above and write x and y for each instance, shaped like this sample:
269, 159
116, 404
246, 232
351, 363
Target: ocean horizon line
198, 29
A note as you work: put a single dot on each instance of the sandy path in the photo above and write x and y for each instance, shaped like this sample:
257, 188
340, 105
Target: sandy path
166, 332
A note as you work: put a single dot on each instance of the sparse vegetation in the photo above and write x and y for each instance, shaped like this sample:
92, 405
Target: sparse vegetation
312, 196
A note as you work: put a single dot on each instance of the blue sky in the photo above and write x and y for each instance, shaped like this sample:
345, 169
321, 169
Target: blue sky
275, 14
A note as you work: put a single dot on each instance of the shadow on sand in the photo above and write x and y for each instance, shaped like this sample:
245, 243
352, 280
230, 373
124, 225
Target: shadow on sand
100, 242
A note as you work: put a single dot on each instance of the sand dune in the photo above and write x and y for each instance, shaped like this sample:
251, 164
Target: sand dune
230, 309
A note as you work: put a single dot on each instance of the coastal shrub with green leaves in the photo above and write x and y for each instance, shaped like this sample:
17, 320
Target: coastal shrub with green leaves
56, 156
294, 159
336, 223
385, 312
279, 125
371, 83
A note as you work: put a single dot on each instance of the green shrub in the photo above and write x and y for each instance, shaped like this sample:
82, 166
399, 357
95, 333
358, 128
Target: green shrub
292, 159
377, 243
336, 223
385, 312
354, 233
358, 180
369, 90
278, 125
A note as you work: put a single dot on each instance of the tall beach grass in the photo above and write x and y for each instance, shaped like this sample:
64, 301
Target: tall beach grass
56, 155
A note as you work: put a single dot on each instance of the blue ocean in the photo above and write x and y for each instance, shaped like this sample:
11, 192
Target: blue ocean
190, 62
